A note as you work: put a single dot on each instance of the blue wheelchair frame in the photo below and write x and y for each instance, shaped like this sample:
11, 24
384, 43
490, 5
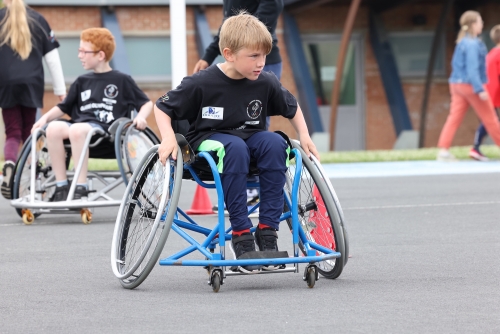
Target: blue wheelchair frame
218, 261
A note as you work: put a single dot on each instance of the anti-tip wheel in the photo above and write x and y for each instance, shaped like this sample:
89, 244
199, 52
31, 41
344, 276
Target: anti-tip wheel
86, 216
28, 217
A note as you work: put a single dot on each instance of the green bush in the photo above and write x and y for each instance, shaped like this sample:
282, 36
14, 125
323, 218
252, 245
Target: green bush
461, 152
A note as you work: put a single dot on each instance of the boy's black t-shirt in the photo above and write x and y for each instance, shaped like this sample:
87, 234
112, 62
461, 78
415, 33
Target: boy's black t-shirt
102, 97
214, 103
22, 81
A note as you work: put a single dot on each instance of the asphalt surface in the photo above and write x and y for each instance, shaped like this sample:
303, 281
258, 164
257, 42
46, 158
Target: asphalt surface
425, 259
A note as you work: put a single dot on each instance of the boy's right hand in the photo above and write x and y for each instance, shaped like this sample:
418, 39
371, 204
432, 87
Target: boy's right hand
168, 147
39, 124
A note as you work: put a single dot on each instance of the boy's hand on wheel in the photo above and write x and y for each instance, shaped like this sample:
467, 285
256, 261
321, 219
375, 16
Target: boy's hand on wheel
168, 147
308, 146
41, 122
140, 123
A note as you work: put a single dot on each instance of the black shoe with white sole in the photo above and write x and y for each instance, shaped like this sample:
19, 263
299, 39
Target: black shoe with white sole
8, 175
243, 244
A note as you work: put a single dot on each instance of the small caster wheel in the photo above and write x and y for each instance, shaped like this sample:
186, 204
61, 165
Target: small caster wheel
311, 276
216, 280
86, 216
28, 217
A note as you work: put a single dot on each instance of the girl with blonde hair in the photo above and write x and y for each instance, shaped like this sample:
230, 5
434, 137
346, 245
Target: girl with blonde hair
467, 84
25, 39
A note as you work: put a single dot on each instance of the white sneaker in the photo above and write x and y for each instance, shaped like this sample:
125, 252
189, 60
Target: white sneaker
445, 155
251, 193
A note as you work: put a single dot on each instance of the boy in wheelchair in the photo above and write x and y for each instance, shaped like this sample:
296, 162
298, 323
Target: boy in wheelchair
226, 106
94, 100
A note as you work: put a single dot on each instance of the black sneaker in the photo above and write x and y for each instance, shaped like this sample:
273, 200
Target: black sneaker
8, 174
241, 245
80, 191
60, 194
267, 240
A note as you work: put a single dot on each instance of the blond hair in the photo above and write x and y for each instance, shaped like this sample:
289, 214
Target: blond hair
244, 31
15, 30
466, 20
495, 34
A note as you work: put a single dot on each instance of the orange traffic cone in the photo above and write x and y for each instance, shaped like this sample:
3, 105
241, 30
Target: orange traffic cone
201, 203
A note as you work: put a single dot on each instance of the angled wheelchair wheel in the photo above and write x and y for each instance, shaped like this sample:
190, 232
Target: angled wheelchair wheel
130, 146
318, 215
145, 217
44, 177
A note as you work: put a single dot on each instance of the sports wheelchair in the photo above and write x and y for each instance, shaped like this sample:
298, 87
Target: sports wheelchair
34, 181
149, 212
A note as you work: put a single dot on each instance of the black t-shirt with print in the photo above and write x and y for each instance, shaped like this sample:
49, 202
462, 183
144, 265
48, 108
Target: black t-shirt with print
22, 81
214, 103
102, 97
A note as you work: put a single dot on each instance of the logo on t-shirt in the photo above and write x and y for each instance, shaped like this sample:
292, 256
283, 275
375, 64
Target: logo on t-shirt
85, 95
111, 91
164, 98
212, 113
104, 116
254, 109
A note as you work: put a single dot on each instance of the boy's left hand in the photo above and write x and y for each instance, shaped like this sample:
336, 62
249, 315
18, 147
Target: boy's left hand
308, 146
140, 122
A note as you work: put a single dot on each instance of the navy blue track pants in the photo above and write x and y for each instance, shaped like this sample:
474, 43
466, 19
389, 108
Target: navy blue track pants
269, 150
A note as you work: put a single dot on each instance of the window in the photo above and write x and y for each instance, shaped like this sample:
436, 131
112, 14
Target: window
71, 65
485, 37
412, 52
321, 55
148, 58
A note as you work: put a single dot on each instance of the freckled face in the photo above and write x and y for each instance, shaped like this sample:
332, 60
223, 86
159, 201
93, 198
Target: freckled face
249, 63
87, 55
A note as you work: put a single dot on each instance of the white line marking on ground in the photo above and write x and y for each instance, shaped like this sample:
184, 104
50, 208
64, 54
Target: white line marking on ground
418, 205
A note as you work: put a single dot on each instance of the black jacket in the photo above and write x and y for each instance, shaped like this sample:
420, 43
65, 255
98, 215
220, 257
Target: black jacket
268, 11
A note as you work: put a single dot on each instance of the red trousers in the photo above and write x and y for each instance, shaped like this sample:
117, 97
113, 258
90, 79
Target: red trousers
463, 97
18, 122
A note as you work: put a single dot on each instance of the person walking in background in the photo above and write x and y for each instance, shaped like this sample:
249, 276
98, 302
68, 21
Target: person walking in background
493, 89
25, 38
467, 84
268, 12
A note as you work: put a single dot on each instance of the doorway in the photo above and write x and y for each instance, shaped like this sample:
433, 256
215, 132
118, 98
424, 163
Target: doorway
321, 52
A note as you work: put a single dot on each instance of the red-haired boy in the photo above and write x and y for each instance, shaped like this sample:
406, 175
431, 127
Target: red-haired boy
95, 99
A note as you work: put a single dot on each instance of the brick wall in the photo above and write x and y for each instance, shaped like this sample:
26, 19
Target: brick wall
323, 19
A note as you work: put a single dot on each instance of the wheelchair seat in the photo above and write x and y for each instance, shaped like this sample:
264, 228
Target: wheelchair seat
201, 166
100, 147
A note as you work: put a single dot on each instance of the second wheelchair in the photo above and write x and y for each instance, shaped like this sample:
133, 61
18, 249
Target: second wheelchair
34, 181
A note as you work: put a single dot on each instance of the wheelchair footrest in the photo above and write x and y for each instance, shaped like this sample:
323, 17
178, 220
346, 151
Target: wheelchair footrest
263, 255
